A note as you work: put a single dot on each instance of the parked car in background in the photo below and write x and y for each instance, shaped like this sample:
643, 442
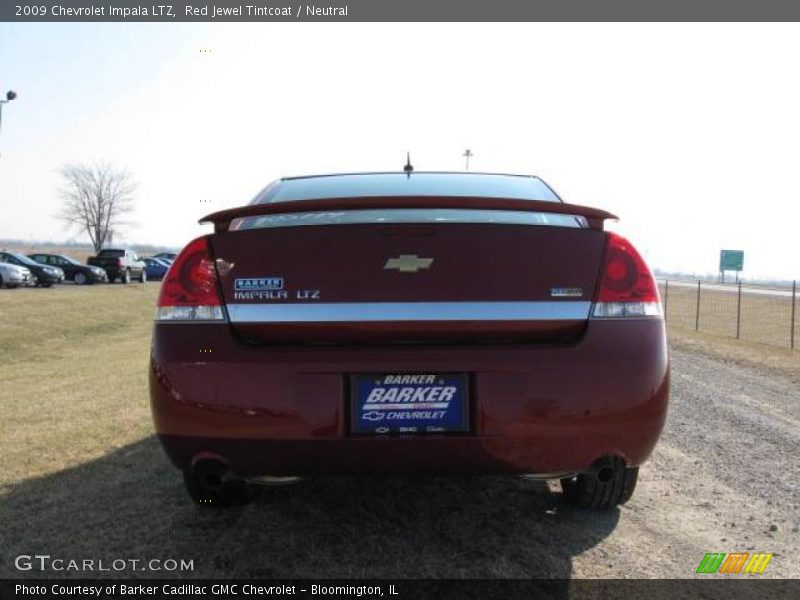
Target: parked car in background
170, 256
12, 276
73, 270
119, 263
155, 268
43, 275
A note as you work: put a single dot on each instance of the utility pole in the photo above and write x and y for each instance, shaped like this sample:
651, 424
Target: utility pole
10, 95
468, 153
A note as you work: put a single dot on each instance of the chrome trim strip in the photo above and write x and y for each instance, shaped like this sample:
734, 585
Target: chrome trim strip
408, 311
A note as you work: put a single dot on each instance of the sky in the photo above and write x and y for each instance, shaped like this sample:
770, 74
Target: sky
690, 133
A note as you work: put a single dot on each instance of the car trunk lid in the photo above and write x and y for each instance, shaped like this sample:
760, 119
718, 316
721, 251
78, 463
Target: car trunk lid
368, 275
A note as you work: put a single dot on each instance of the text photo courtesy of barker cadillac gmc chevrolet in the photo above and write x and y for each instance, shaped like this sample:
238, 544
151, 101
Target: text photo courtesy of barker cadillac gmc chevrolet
409, 323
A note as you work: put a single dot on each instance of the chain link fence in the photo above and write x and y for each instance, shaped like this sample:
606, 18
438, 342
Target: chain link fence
767, 315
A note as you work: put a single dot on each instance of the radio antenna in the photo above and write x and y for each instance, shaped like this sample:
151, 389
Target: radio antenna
409, 167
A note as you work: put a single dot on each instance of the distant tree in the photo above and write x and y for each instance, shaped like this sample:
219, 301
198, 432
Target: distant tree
96, 199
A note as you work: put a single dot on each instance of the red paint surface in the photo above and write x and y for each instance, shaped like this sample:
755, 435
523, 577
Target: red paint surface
551, 406
471, 263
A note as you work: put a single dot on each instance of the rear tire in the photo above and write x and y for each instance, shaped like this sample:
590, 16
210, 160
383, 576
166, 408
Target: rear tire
210, 484
80, 278
607, 484
143, 278
126, 277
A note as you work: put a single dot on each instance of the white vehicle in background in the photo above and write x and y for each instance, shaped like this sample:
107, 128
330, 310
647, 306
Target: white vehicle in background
12, 276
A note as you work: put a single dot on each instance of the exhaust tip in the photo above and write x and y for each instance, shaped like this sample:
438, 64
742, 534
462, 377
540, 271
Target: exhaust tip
605, 474
211, 473
211, 482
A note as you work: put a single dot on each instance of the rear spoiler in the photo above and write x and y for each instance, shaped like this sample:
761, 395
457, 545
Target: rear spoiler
222, 219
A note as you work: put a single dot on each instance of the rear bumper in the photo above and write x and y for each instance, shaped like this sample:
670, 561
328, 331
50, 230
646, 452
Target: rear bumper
534, 409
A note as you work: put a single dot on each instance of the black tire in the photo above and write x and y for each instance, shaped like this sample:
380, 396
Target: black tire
209, 484
80, 279
1, 282
125, 277
143, 277
609, 483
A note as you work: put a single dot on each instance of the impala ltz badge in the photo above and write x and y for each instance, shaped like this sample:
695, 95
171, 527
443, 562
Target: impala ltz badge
259, 288
408, 263
262, 289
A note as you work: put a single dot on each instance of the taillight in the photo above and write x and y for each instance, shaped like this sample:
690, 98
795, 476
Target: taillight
119, 263
627, 287
189, 291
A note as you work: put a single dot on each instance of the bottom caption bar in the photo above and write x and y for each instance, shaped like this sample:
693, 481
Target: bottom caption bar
402, 589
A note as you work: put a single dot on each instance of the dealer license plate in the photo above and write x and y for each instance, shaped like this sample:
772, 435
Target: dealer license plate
409, 403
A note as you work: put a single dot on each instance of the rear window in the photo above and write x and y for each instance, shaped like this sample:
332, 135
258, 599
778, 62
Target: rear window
407, 215
111, 253
399, 184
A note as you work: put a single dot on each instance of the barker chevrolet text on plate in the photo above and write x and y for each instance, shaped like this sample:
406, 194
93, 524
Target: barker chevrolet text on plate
409, 322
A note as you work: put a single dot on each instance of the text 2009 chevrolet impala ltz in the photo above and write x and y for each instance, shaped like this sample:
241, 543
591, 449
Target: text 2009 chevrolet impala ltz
409, 323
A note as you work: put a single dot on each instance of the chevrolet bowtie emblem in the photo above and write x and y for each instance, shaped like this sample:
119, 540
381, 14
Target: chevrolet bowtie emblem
408, 263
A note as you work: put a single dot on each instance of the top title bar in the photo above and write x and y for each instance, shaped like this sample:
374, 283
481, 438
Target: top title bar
400, 10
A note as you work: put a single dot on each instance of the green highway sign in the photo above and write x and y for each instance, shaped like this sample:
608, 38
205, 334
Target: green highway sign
731, 260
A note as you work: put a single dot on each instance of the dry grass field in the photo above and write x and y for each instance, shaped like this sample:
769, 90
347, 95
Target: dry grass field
764, 319
82, 475
73, 374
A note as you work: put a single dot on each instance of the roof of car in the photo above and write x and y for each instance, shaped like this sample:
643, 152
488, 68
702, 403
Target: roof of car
412, 174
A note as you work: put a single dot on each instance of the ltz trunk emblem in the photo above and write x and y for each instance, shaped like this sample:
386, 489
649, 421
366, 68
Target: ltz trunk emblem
408, 263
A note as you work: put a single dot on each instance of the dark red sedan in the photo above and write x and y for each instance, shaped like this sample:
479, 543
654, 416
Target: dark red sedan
409, 322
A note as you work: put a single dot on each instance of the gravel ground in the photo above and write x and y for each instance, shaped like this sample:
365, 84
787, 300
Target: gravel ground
724, 478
